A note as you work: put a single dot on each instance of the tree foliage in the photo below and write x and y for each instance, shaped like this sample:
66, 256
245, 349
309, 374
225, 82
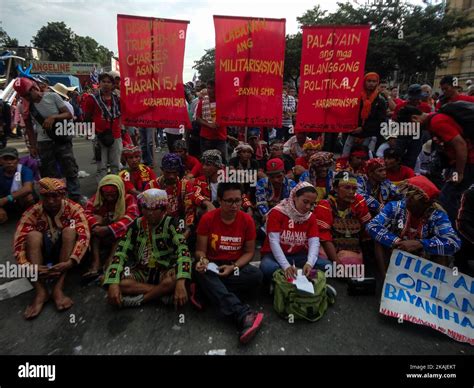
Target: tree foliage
6, 41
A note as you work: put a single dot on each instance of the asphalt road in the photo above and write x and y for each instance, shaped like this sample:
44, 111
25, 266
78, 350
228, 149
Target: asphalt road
352, 326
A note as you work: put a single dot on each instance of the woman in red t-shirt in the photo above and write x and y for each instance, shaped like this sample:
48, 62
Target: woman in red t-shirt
292, 234
225, 246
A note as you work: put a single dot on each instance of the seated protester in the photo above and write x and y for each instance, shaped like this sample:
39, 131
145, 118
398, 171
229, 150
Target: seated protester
137, 175
201, 193
276, 151
376, 189
159, 259
310, 147
395, 171
192, 166
244, 159
175, 187
465, 227
272, 190
320, 173
416, 224
259, 147
16, 184
226, 238
355, 162
110, 211
341, 221
294, 146
292, 235
390, 143
53, 235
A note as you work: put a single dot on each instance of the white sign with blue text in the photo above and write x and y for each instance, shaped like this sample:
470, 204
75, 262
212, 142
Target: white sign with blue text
423, 292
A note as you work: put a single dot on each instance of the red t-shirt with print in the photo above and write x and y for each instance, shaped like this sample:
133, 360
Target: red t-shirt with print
400, 175
293, 236
226, 241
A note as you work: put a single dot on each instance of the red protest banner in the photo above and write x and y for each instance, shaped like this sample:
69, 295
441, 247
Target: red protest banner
151, 55
332, 71
250, 56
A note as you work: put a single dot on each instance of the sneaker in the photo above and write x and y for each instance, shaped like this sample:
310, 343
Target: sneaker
250, 326
331, 291
132, 301
193, 298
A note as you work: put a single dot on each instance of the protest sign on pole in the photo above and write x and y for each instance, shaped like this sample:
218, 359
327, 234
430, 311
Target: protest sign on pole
250, 55
332, 72
423, 292
151, 56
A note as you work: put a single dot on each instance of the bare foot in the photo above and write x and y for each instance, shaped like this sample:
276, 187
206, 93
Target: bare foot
62, 301
34, 309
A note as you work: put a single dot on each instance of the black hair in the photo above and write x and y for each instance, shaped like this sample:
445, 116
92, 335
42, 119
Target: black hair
304, 190
227, 186
404, 114
392, 153
359, 147
393, 87
106, 75
447, 80
344, 176
211, 82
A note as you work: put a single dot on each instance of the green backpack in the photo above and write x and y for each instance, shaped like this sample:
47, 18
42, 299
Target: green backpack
288, 300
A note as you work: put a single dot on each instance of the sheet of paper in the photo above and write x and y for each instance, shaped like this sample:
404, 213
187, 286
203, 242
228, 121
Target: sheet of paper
303, 284
14, 288
213, 267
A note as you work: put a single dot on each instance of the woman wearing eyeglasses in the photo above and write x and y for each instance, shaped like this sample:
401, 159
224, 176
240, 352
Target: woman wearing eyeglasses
225, 246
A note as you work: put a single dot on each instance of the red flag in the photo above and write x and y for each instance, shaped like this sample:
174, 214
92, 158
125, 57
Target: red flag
332, 73
151, 54
250, 56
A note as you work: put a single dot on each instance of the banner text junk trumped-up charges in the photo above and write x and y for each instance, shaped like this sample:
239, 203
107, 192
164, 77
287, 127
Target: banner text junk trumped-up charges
151, 55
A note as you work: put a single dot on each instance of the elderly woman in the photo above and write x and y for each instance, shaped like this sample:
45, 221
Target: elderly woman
341, 220
416, 224
292, 234
320, 173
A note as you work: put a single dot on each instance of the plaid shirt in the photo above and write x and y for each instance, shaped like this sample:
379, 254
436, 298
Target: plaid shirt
437, 234
71, 215
388, 192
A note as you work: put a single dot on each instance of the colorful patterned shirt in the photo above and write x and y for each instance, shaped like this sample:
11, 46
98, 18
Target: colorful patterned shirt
376, 198
35, 218
265, 194
137, 179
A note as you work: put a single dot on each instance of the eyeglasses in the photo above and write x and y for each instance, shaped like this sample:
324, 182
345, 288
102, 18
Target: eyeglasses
231, 202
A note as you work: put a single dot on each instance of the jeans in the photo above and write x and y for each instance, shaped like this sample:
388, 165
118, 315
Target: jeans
222, 291
146, 143
53, 154
220, 145
269, 265
409, 148
109, 156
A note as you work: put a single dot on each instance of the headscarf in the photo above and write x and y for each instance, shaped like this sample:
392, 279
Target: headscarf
116, 181
374, 164
368, 97
131, 150
244, 147
212, 157
420, 187
321, 159
51, 185
180, 145
153, 199
288, 207
312, 145
172, 162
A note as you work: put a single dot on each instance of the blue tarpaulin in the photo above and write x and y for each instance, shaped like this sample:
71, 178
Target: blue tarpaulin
68, 80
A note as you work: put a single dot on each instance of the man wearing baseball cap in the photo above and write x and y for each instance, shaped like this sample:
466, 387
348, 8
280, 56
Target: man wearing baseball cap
16, 184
